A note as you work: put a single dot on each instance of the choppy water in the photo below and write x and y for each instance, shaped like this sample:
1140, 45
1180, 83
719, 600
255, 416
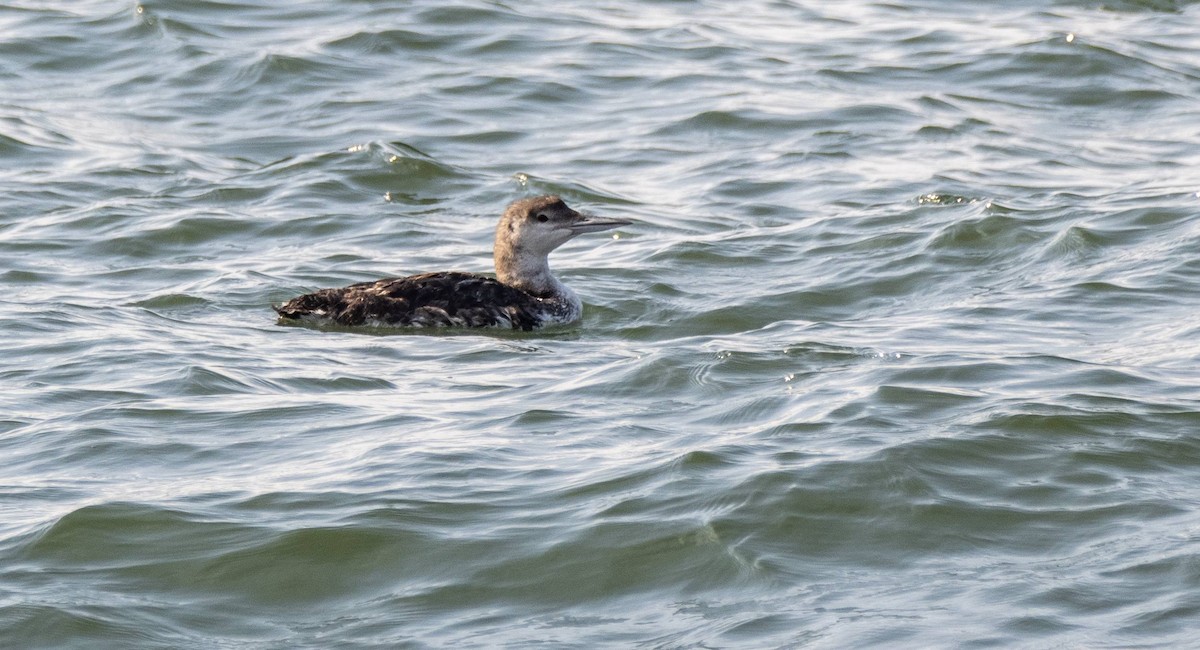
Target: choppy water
902, 350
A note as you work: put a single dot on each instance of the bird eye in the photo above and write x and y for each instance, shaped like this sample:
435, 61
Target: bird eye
542, 218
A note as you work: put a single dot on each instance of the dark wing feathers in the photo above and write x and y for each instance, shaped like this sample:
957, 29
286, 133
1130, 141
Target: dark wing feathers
427, 300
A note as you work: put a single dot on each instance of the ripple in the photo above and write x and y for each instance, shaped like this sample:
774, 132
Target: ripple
995, 234
899, 350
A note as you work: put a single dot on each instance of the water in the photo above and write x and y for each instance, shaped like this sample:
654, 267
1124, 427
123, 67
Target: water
900, 352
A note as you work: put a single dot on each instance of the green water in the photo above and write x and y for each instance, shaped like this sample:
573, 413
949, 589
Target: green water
900, 352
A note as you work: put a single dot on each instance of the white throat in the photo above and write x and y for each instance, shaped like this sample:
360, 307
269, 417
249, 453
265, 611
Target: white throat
531, 274
525, 271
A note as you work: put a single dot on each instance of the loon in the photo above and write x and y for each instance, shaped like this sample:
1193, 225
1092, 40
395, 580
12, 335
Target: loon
524, 295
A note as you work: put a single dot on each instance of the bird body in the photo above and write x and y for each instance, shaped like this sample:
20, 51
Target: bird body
524, 295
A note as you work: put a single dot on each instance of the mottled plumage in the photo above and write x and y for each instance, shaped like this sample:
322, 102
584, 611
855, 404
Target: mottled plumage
447, 299
524, 295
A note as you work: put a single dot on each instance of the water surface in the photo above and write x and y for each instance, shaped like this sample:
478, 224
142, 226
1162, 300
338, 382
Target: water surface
901, 350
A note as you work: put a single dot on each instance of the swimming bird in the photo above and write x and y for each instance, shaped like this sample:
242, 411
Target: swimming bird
524, 295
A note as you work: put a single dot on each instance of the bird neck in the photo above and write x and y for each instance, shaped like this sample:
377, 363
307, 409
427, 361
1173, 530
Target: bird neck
525, 271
